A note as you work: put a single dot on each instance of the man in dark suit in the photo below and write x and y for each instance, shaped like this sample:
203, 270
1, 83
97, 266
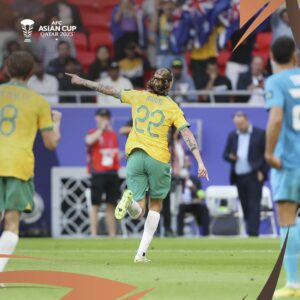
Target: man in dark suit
245, 152
252, 81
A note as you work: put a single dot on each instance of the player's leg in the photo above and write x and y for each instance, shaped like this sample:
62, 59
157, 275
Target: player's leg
285, 185
159, 178
133, 199
10, 236
16, 197
150, 227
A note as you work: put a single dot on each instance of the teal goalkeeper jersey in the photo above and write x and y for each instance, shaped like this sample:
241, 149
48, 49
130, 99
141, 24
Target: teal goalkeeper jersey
283, 90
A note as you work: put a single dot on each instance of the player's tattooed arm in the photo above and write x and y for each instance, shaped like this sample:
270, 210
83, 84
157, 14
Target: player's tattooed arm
193, 146
96, 86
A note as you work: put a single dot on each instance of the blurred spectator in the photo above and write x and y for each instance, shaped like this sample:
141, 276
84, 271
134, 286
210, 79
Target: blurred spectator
240, 58
29, 9
56, 66
6, 17
65, 85
118, 82
182, 83
103, 165
66, 12
43, 83
192, 201
245, 150
98, 69
150, 10
133, 66
125, 27
48, 47
11, 47
125, 130
214, 81
164, 28
201, 56
177, 162
253, 81
280, 24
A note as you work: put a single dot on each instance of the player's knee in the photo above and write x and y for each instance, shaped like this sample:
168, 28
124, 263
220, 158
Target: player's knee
156, 205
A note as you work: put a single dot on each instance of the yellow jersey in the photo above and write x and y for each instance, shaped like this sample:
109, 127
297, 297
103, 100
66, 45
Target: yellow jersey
152, 116
210, 48
22, 113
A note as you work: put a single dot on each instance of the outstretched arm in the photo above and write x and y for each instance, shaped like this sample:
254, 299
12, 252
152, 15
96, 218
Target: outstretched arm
96, 86
192, 144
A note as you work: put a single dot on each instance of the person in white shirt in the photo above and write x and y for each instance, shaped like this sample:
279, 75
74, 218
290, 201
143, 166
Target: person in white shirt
114, 79
44, 83
253, 81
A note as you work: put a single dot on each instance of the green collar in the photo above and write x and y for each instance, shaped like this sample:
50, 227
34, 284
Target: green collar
17, 83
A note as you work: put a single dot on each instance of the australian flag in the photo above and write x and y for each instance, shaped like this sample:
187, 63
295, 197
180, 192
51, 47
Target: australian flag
199, 18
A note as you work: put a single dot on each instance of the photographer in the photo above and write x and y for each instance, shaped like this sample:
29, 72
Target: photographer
103, 165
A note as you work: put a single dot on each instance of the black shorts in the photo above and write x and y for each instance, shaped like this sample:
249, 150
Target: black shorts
108, 184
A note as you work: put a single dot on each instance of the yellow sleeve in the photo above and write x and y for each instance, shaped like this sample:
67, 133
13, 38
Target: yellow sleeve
128, 96
179, 119
44, 117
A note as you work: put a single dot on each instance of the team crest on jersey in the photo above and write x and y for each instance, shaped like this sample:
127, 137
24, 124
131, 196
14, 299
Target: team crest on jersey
269, 95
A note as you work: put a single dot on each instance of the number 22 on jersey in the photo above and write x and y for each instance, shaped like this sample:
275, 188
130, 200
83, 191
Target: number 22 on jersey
146, 116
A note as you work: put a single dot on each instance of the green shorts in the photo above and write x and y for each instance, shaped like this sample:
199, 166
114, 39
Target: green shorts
144, 173
16, 194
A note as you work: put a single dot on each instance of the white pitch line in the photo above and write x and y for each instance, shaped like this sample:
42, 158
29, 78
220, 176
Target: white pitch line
154, 250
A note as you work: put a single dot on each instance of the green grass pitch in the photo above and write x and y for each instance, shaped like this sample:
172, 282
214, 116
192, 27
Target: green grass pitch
200, 268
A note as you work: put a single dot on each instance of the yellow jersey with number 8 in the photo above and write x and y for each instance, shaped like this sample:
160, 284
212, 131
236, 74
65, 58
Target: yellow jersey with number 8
22, 113
152, 116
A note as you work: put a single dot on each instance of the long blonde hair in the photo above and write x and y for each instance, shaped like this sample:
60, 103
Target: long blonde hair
160, 83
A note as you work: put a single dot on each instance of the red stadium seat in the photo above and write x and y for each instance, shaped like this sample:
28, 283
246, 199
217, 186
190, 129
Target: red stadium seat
85, 3
223, 59
95, 21
46, 2
263, 41
98, 38
86, 58
81, 41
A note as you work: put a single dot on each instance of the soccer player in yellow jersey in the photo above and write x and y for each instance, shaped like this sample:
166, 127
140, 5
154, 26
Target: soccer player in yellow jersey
148, 164
22, 113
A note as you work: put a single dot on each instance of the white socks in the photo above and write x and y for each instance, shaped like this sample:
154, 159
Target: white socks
8, 243
134, 210
149, 230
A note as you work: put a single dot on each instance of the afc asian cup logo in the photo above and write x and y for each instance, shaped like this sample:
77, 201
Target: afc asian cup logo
27, 27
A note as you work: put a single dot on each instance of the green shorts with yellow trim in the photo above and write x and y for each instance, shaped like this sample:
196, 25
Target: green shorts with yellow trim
144, 173
16, 194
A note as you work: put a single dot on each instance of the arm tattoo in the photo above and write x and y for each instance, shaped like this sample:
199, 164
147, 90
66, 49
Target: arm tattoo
101, 88
191, 144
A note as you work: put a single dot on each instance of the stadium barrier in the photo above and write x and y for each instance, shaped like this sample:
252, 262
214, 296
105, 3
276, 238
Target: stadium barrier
211, 94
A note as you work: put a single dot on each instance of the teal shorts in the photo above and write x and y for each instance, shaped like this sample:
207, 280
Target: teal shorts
144, 173
16, 194
286, 185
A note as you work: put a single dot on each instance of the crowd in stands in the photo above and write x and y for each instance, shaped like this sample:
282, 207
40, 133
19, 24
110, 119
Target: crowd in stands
121, 42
